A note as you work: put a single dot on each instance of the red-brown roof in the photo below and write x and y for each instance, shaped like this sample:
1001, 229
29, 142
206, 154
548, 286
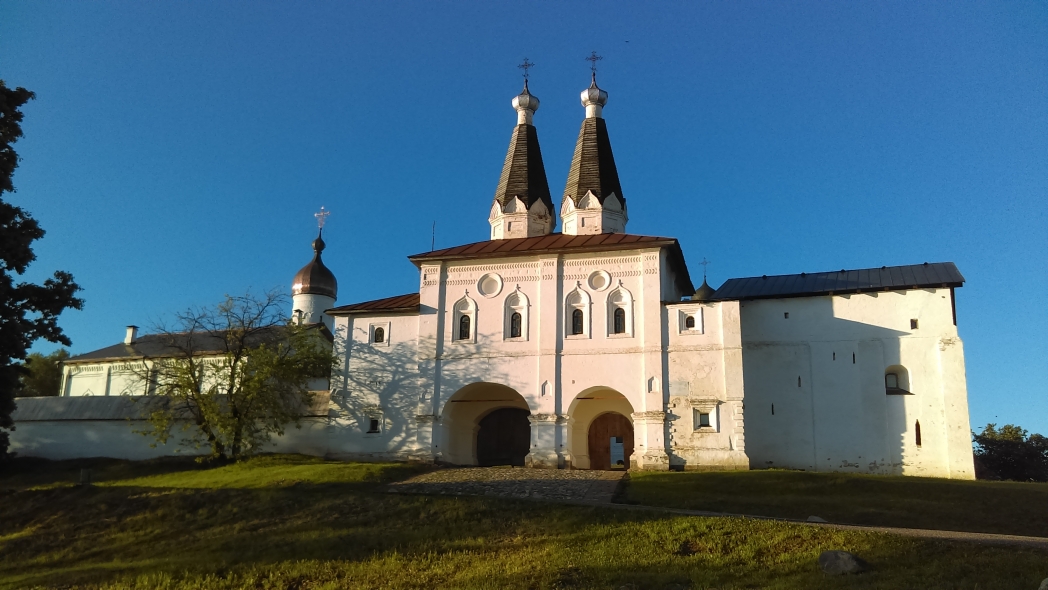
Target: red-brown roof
398, 304
548, 243
564, 243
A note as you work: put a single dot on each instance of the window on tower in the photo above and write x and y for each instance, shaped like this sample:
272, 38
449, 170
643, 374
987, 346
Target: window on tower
515, 325
464, 328
620, 321
689, 322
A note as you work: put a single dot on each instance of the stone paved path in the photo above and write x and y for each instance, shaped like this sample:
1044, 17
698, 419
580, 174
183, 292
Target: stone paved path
516, 482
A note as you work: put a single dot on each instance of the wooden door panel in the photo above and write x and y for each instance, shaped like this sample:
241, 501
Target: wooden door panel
601, 430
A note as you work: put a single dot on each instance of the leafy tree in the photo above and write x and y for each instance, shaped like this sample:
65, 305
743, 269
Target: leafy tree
43, 376
28, 312
230, 377
1011, 453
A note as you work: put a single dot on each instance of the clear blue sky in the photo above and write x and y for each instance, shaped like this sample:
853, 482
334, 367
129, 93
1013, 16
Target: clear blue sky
177, 150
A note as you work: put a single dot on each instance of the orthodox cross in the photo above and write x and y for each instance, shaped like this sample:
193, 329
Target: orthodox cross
321, 217
593, 59
526, 65
704, 264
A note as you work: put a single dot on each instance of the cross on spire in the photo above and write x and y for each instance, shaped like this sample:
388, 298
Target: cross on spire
704, 264
593, 59
526, 65
321, 217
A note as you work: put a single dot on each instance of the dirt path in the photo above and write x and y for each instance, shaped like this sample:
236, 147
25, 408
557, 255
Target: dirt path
597, 488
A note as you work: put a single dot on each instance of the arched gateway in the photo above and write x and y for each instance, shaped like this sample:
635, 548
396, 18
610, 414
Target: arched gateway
486, 424
602, 435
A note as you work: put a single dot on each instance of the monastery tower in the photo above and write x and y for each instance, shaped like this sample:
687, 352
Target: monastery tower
314, 289
593, 201
523, 207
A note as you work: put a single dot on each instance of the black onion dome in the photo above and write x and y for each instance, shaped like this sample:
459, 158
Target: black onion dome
703, 293
315, 278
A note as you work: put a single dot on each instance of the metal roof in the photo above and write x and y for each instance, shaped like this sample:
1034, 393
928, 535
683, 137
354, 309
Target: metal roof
168, 345
118, 407
885, 278
400, 304
557, 243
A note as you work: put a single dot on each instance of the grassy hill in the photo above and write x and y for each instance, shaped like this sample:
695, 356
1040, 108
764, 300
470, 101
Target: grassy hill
305, 523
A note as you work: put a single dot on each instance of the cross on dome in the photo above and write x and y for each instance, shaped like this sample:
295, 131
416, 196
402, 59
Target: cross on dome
593, 59
526, 65
321, 217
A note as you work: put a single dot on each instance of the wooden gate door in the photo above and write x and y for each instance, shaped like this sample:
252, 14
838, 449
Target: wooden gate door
504, 438
601, 431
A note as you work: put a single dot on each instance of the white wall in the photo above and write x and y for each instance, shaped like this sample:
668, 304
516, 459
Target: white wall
823, 367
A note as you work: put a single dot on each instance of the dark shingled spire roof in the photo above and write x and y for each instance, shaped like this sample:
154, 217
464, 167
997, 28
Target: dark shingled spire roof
593, 166
523, 174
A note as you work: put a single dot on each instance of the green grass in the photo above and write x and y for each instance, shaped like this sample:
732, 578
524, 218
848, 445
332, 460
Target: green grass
911, 502
294, 522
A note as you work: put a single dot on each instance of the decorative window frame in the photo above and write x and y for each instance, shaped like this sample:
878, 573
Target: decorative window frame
371, 333
522, 306
626, 305
709, 406
585, 303
470, 309
682, 317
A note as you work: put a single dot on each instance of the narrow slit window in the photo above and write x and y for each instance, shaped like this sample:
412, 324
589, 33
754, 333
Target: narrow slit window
514, 325
464, 328
773, 409
835, 356
853, 358
576, 322
786, 315
620, 320
380, 335
798, 381
917, 432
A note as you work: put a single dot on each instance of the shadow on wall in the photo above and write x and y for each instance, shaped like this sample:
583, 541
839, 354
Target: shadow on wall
374, 400
818, 392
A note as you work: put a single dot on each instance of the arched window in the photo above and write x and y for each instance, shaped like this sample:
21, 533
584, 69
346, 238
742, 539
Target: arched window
576, 322
897, 381
380, 335
620, 321
514, 325
917, 431
464, 328
689, 322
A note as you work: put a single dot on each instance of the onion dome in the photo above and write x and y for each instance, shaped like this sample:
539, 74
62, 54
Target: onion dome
594, 99
315, 278
703, 293
526, 104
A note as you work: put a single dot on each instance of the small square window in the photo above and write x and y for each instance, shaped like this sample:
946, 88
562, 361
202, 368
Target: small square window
786, 315
373, 426
913, 324
704, 420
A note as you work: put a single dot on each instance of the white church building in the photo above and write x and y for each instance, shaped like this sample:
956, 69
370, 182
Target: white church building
591, 348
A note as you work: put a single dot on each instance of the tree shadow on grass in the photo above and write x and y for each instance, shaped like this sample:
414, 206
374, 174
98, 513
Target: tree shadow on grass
348, 532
